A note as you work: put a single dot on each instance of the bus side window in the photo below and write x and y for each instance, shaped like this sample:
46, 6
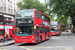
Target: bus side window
37, 14
11, 23
6, 22
48, 20
48, 30
42, 17
13, 31
41, 29
1, 22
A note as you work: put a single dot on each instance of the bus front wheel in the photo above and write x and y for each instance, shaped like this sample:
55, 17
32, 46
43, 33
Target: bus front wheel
40, 39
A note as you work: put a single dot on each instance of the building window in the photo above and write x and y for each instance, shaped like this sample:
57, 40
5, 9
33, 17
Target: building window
8, 3
14, 11
11, 4
4, 8
4, 1
8, 10
11, 10
14, 5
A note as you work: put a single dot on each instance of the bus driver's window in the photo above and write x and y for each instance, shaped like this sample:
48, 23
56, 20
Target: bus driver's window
18, 30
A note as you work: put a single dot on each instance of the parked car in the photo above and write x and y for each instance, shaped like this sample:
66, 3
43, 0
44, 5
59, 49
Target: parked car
1, 39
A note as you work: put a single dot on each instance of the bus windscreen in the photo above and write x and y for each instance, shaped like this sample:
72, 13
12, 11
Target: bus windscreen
53, 28
53, 23
24, 31
25, 14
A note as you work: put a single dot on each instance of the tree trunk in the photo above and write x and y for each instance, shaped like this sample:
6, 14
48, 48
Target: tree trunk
73, 22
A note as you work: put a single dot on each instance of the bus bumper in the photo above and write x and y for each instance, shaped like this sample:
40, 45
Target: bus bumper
25, 41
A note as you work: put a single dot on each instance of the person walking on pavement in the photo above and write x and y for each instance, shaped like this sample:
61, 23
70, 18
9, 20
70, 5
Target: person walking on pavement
5, 36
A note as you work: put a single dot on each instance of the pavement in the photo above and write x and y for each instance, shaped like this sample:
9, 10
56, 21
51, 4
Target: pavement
7, 43
66, 41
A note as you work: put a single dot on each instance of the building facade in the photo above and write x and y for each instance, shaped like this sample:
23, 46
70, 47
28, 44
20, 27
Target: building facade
9, 6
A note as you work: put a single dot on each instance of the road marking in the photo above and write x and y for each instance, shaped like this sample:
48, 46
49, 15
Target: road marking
41, 47
50, 47
4, 49
60, 49
25, 48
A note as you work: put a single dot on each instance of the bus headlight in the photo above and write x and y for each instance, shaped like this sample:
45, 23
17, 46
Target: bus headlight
33, 41
32, 37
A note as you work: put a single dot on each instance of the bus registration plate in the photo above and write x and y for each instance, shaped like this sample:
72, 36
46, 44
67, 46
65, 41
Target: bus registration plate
53, 34
24, 42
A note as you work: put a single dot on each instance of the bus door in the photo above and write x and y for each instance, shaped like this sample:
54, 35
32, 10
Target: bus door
37, 34
45, 33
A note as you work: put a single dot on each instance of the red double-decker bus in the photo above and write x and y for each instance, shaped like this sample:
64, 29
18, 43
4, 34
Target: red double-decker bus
8, 27
32, 26
55, 28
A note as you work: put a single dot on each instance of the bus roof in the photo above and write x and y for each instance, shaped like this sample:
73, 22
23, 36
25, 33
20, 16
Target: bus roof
35, 10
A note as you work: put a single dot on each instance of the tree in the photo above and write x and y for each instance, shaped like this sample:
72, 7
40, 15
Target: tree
63, 21
33, 4
64, 7
51, 17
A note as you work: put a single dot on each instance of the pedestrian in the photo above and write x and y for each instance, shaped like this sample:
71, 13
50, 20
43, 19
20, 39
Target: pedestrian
70, 31
5, 36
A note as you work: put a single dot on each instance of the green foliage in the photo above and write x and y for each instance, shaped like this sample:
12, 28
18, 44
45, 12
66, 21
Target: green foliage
33, 4
63, 21
63, 7
51, 17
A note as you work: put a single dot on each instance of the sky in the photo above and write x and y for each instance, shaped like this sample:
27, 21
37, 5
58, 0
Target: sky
0, 3
42, 1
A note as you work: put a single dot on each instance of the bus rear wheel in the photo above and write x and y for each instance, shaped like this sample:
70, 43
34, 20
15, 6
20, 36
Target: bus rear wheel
10, 37
1, 40
48, 37
59, 34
